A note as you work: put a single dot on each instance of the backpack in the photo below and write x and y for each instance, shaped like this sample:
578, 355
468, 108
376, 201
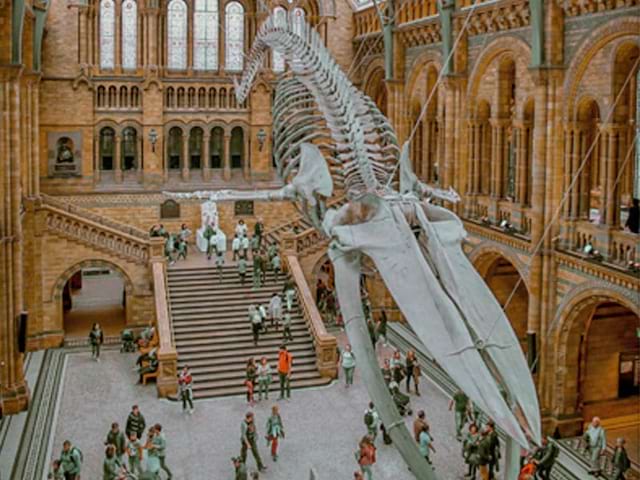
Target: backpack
368, 418
76, 449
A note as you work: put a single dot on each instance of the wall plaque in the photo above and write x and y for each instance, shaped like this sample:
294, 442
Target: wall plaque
170, 209
64, 151
243, 207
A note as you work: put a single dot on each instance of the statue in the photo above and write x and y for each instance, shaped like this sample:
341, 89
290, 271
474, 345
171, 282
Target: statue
328, 133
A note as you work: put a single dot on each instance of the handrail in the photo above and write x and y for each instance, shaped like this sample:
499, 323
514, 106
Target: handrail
167, 355
325, 343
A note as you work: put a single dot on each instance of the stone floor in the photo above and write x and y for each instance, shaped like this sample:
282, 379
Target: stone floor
323, 426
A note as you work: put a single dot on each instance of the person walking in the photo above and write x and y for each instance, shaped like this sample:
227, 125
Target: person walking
242, 268
386, 371
494, 449
160, 445
276, 266
410, 362
366, 456
275, 310
470, 444
286, 334
275, 431
256, 323
221, 248
135, 422
258, 265
545, 458
381, 327
185, 388
461, 403
96, 339
262, 310
264, 378
596, 440
116, 438
244, 245
272, 251
258, 231
71, 461
371, 421
240, 469
397, 368
620, 462
134, 452
152, 464
251, 370
248, 437
212, 241
417, 373
289, 291
241, 228
425, 443
484, 454
56, 472
235, 247
348, 364
182, 249
285, 364
111, 466
418, 423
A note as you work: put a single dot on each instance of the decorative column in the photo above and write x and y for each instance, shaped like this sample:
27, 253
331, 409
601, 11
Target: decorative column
118, 160
576, 158
84, 38
96, 158
139, 157
226, 173
566, 162
517, 136
425, 168
206, 156
117, 60
584, 182
246, 164
612, 216
185, 157
604, 153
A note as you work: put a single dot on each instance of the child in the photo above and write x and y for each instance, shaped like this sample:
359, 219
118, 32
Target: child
275, 265
235, 247
134, 451
249, 384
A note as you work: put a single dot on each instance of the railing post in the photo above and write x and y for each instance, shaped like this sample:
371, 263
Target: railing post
166, 382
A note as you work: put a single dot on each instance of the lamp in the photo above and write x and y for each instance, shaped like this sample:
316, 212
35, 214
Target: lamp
262, 137
153, 138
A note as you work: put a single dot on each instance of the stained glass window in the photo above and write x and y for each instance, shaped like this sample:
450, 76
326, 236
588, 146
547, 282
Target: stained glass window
129, 34
234, 41
107, 33
177, 34
298, 20
205, 35
277, 59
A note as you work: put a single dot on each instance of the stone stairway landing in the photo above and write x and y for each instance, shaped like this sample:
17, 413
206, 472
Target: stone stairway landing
213, 335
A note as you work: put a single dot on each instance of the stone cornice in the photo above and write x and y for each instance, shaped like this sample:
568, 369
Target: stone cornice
601, 271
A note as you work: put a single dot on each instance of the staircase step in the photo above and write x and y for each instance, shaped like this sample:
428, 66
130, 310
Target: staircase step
258, 351
234, 344
208, 332
238, 377
215, 384
238, 366
274, 387
299, 357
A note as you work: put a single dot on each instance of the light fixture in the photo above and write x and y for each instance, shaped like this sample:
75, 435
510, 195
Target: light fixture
153, 138
262, 137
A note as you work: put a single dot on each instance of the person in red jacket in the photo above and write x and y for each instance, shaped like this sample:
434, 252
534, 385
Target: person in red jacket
367, 456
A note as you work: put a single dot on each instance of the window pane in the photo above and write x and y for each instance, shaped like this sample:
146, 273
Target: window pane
177, 34
234, 42
205, 35
107, 33
277, 59
129, 34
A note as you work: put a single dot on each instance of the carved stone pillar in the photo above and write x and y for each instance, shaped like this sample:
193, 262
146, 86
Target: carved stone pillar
139, 158
226, 173
118, 160
576, 158
518, 136
84, 39
206, 158
612, 207
96, 158
185, 157
566, 160
246, 164
471, 170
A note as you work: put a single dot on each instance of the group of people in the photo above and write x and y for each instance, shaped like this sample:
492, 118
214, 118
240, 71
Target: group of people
261, 376
176, 244
276, 312
127, 454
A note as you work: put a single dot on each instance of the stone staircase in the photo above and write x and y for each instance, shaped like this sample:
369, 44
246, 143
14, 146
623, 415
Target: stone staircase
213, 335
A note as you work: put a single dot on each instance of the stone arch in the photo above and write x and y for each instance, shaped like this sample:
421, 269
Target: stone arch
484, 254
374, 85
591, 44
422, 61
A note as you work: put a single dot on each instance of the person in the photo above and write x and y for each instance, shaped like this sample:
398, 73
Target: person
397, 368
276, 265
410, 361
461, 403
285, 362
235, 247
182, 249
155, 231
134, 452
111, 465
262, 310
366, 456
244, 245
528, 470
135, 422
212, 240
470, 444
185, 233
484, 454
417, 373
371, 328
242, 268
264, 378
258, 265
152, 459
151, 367
256, 323
286, 335
289, 291
494, 449
381, 327
221, 248
160, 445
71, 461
116, 438
56, 472
426, 443
250, 387
371, 421
258, 231
272, 251
275, 310
418, 423
248, 437
620, 462
251, 371
545, 457
185, 387
633, 220
386, 371
240, 469
596, 440
169, 248
320, 290
275, 431
241, 228
96, 339
348, 364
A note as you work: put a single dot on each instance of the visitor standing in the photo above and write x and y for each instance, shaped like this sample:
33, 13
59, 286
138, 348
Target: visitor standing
397, 368
418, 423
289, 291
276, 265
160, 445
71, 461
240, 469
371, 421
251, 371
134, 452
417, 373
244, 245
633, 220
348, 364
242, 268
596, 440
258, 231
470, 444
96, 339
386, 371
152, 464
256, 323
425, 443
116, 438
111, 465
235, 247
275, 310
285, 364
185, 387
381, 327
241, 228
258, 265
275, 431
461, 403
212, 239
286, 335
264, 378
221, 248
248, 439
621, 462
410, 362
135, 422
366, 456
545, 458
494, 449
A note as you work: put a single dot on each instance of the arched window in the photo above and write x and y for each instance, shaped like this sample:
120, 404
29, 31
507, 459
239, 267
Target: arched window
195, 147
129, 34
298, 20
205, 35
174, 149
234, 41
277, 59
107, 33
236, 148
129, 149
216, 147
177, 34
107, 148
213, 98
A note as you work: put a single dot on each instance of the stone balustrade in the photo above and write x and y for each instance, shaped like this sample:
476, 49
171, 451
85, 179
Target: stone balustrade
199, 97
616, 247
167, 381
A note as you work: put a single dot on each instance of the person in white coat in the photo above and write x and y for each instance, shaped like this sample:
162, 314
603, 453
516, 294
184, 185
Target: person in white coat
275, 310
221, 248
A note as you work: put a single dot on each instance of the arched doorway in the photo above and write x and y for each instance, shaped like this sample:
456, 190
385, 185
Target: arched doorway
507, 285
94, 294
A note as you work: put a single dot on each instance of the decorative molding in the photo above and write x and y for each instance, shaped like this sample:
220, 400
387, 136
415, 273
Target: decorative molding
496, 17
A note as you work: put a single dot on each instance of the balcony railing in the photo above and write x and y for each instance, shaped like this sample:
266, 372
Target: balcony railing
610, 245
